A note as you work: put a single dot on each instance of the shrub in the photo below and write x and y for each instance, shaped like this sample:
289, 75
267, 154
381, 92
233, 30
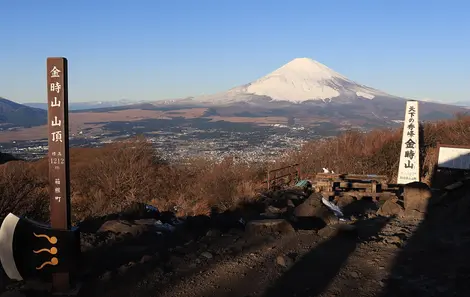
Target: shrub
109, 179
22, 191
378, 151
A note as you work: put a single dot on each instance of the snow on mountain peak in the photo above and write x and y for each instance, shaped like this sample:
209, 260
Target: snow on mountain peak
300, 80
305, 68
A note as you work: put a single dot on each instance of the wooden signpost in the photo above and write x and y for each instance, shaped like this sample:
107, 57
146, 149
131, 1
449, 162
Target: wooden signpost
453, 163
59, 176
409, 167
33, 250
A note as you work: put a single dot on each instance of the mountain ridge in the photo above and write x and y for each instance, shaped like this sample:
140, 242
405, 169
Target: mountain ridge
300, 80
14, 114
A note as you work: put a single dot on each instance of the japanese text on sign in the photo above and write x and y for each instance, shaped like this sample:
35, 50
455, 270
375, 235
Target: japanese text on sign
56, 136
57, 122
409, 158
58, 142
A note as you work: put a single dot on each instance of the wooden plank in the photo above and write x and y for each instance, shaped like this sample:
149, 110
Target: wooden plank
359, 194
355, 185
366, 177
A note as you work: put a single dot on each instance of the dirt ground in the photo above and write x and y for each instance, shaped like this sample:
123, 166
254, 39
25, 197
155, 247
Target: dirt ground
378, 256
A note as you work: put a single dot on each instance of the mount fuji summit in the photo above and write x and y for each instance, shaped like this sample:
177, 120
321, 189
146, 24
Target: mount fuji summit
300, 80
306, 89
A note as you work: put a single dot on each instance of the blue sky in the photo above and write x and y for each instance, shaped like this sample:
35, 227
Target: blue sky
150, 50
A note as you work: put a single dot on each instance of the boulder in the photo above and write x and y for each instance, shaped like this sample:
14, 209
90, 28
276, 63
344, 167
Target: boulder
416, 196
123, 227
275, 210
269, 226
313, 208
345, 201
284, 261
391, 208
309, 207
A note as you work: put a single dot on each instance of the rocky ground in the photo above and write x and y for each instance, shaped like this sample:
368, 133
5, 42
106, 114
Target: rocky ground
284, 245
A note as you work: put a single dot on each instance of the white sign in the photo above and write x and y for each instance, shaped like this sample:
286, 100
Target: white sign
408, 170
454, 158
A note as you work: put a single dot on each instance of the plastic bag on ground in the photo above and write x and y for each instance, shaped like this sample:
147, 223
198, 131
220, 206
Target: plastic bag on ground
333, 207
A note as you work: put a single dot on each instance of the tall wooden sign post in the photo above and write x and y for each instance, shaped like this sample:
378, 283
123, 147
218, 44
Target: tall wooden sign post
409, 167
59, 176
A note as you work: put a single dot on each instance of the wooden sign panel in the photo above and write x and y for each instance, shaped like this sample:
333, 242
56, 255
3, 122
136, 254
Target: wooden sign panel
59, 177
455, 157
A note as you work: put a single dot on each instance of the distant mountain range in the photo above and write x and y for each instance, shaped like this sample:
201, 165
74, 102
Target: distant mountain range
300, 80
302, 89
88, 105
15, 114
462, 103
306, 88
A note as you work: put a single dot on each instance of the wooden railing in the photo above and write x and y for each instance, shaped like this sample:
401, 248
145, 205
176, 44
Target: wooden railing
290, 173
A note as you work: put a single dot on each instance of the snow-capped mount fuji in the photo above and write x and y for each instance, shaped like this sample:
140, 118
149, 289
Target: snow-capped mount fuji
300, 80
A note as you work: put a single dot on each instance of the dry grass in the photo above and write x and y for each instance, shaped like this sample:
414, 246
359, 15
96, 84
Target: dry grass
378, 152
23, 191
107, 180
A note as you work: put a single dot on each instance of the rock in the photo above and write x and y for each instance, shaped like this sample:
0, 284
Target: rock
12, 294
123, 227
309, 207
107, 276
148, 222
345, 201
124, 268
333, 230
274, 210
290, 204
416, 197
269, 225
314, 208
293, 194
391, 208
268, 215
213, 233
393, 240
146, 259
284, 261
207, 255
354, 274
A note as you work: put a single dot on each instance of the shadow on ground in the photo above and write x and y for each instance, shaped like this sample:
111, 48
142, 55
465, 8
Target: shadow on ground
176, 253
436, 261
314, 271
